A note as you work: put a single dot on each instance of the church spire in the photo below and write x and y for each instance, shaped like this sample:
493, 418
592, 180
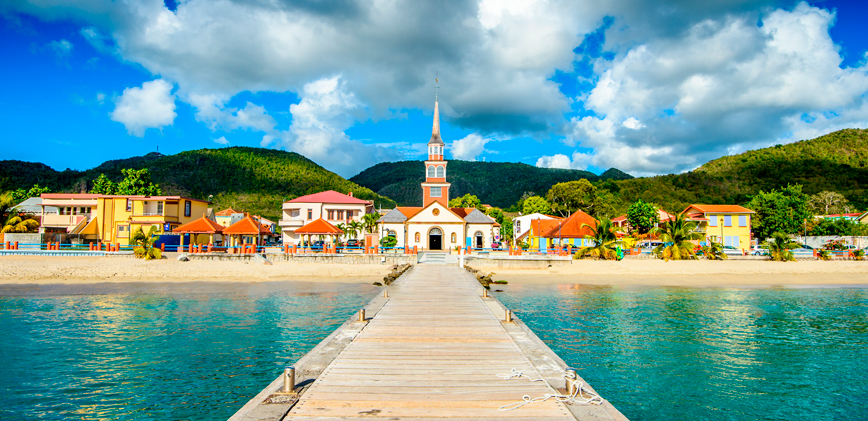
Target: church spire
435, 131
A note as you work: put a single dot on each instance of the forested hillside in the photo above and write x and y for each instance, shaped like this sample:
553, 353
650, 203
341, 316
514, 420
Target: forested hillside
496, 183
251, 179
834, 162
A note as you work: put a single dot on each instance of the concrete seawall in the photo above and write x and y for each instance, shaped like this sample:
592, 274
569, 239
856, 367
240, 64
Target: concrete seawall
346, 259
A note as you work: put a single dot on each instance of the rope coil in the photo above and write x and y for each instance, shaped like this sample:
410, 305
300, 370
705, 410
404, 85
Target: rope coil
578, 397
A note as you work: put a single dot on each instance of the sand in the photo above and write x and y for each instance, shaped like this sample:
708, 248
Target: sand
694, 273
72, 270
75, 270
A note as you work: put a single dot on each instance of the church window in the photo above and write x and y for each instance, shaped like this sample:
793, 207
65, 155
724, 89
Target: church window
436, 192
454, 238
417, 237
431, 172
441, 172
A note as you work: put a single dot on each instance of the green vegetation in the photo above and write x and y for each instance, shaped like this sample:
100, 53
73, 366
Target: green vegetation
466, 201
498, 184
536, 204
828, 202
714, 251
254, 180
839, 226
779, 246
144, 248
135, 183
605, 241
676, 235
779, 211
566, 198
20, 195
642, 216
388, 241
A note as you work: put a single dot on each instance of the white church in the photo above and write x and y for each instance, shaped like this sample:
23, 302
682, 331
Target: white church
434, 225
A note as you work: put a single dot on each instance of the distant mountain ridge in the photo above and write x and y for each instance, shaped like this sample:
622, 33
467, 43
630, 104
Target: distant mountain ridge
251, 179
495, 183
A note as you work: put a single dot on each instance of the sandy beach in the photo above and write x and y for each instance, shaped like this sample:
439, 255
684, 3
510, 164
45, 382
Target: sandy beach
71, 270
74, 270
693, 273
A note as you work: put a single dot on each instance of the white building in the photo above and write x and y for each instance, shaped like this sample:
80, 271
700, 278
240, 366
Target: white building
521, 224
334, 207
435, 226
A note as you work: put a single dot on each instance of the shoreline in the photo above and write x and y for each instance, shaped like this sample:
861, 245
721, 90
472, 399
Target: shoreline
45, 270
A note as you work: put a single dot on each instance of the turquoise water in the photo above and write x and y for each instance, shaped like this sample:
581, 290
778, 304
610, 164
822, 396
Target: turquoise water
157, 352
711, 353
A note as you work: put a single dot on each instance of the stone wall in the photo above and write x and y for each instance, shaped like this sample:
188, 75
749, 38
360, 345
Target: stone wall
22, 239
346, 259
517, 262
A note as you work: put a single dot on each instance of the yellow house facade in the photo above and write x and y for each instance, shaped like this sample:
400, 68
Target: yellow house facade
727, 224
117, 217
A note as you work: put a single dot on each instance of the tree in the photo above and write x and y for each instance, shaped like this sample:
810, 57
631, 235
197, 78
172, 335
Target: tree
642, 216
137, 183
566, 198
466, 201
779, 247
354, 227
838, 226
17, 223
506, 230
145, 244
779, 211
677, 235
536, 204
714, 251
7, 206
606, 204
389, 241
496, 214
102, 185
604, 239
369, 221
21, 195
826, 202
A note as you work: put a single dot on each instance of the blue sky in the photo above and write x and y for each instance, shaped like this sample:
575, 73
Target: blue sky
645, 86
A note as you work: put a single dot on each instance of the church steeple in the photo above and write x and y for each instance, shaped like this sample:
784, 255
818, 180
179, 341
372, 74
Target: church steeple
435, 188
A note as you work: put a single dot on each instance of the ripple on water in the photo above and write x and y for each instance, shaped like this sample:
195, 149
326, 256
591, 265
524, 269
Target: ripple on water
711, 353
195, 352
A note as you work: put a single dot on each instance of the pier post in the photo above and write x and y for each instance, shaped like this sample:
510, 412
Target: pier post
508, 316
362, 315
485, 293
385, 293
288, 379
570, 380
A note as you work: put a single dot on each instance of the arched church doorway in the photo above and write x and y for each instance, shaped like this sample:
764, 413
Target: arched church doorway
479, 237
435, 239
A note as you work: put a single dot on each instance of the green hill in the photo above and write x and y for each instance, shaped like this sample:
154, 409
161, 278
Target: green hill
252, 179
837, 162
496, 183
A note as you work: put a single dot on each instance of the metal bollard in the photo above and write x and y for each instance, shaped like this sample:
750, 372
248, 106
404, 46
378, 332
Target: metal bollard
508, 316
484, 293
288, 379
570, 379
362, 315
385, 293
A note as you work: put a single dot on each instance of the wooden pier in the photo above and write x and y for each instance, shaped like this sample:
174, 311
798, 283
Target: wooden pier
433, 349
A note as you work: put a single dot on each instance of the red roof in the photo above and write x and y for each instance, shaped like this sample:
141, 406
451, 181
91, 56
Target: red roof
201, 225
409, 211
246, 226
226, 212
572, 226
319, 227
720, 209
329, 196
620, 218
540, 226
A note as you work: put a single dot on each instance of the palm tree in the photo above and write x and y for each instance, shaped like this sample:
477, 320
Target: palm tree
370, 222
779, 247
17, 223
145, 244
354, 227
343, 227
678, 233
714, 251
7, 207
605, 241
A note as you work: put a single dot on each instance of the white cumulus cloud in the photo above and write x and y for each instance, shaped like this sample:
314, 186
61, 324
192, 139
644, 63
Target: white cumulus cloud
468, 148
151, 106
221, 140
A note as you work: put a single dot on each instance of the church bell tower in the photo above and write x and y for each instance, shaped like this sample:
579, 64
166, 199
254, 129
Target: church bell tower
435, 188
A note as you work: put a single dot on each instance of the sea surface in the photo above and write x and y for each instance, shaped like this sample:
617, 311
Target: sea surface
199, 351
194, 351
709, 353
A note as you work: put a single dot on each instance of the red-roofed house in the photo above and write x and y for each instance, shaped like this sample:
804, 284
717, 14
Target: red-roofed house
331, 206
622, 222
569, 231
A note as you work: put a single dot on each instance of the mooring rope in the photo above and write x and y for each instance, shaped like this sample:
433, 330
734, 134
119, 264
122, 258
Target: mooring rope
577, 397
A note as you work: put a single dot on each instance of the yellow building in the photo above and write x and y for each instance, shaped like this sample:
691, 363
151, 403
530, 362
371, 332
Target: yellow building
727, 224
117, 217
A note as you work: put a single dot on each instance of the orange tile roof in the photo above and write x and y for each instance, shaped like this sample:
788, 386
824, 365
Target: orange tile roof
201, 225
540, 226
246, 226
572, 227
409, 211
226, 212
720, 208
319, 227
